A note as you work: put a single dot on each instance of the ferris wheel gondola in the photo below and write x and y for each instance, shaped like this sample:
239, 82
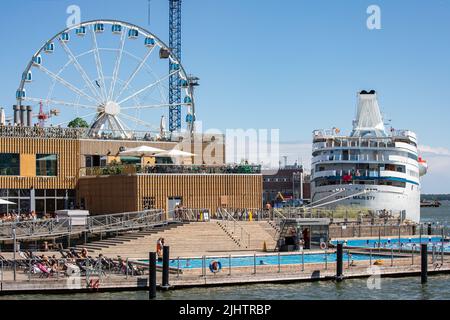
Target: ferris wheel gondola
87, 76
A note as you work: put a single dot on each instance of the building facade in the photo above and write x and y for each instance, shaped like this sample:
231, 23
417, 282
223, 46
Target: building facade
48, 169
290, 181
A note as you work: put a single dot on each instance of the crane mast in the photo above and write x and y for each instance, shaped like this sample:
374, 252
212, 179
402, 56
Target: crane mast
174, 81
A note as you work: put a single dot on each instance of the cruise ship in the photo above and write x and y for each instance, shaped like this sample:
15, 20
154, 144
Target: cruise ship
372, 168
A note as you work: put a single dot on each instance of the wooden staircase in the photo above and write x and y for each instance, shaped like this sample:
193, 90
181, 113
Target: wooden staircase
188, 240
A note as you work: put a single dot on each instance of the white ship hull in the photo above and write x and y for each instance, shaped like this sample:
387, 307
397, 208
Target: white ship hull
398, 201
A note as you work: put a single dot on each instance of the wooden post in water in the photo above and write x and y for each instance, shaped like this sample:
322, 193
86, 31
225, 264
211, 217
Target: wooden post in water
165, 275
339, 262
429, 229
424, 263
152, 275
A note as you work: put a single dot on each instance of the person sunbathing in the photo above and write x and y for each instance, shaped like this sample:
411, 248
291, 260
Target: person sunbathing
54, 267
84, 253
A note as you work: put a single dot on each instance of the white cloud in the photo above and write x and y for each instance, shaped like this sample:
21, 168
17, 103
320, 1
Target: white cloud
434, 150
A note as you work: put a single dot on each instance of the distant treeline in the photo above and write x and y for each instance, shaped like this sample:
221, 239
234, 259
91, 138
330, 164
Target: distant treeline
438, 197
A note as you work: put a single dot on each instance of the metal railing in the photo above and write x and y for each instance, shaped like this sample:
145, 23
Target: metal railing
121, 169
92, 272
299, 262
84, 133
93, 224
81, 269
234, 228
191, 215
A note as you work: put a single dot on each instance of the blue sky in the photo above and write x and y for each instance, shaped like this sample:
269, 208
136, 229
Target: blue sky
295, 65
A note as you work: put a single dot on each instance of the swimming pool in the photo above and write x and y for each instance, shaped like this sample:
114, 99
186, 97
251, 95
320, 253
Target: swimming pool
406, 243
261, 260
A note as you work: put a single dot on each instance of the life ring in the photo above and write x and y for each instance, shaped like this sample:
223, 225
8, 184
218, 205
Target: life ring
215, 266
323, 245
94, 284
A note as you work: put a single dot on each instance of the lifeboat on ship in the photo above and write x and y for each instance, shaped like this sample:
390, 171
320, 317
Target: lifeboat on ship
423, 166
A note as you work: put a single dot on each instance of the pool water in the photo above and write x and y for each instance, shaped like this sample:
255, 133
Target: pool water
410, 243
247, 261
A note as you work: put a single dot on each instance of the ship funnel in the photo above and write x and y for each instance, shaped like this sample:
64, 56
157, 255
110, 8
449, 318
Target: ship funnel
369, 121
16, 109
23, 110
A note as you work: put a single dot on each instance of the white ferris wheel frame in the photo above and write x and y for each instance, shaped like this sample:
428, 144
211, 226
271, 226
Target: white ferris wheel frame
106, 103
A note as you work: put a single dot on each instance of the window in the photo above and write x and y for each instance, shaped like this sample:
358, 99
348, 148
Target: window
46, 165
148, 203
9, 164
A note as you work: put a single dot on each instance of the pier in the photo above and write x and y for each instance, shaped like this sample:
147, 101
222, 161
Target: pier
400, 266
108, 268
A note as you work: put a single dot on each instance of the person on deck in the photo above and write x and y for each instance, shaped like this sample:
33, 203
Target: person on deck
159, 246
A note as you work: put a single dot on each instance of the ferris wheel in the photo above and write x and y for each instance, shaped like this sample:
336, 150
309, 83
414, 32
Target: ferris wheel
110, 73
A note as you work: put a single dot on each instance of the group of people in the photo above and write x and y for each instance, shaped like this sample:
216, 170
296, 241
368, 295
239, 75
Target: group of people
296, 239
48, 265
183, 213
198, 169
18, 217
248, 215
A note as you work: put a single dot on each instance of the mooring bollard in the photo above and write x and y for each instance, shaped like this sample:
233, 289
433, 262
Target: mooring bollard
279, 265
152, 275
424, 263
339, 262
348, 259
254, 263
303, 260
165, 275
203, 266
392, 256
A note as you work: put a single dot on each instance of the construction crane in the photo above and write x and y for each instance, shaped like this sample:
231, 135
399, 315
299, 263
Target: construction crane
175, 47
44, 116
174, 81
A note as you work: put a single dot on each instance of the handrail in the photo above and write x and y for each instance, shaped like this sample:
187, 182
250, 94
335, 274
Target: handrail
63, 226
279, 213
278, 222
236, 223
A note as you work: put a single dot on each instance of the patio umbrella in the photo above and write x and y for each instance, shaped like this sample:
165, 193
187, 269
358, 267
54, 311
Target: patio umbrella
142, 151
174, 153
6, 202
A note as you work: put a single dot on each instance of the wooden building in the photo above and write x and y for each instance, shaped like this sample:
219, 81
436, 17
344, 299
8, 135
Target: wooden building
43, 170
127, 193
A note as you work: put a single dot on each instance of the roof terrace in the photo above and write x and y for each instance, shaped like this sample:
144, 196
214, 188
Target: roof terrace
11, 131
120, 169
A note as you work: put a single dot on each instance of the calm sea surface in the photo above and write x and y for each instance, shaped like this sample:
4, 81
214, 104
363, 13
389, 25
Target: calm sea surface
438, 287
